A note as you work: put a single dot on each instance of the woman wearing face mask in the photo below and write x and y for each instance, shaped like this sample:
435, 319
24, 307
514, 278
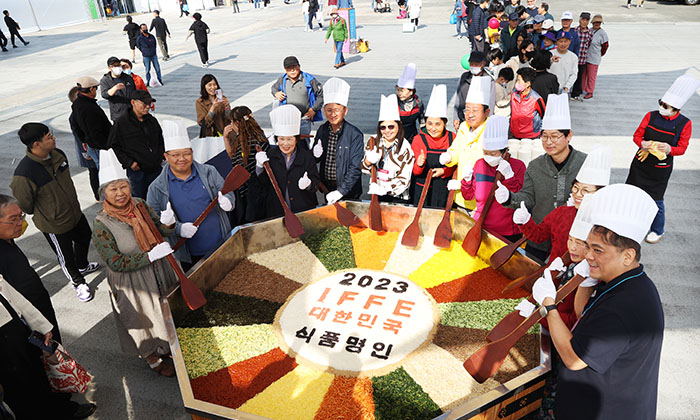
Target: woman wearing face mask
526, 107
526, 51
212, 111
427, 147
127, 68
477, 182
391, 154
294, 168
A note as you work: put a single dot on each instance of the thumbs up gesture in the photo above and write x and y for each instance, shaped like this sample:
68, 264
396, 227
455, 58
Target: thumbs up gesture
167, 216
521, 214
502, 194
304, 181
420, 160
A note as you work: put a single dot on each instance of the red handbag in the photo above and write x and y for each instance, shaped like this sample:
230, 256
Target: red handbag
64, 373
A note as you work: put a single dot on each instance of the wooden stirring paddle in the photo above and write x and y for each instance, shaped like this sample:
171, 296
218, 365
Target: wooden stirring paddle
412, 232
345, 216
291, 221
443, 233
375, 211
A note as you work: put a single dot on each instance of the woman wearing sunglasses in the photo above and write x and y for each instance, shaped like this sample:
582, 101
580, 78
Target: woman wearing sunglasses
391, 154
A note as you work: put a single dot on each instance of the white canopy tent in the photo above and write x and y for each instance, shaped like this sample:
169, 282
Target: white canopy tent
36, 15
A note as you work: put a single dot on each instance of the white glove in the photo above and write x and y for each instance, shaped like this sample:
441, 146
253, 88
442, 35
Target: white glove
570, 201
502, 194
544, 288
225, 203
376, 189
445, 158
589, 282
521, 215
187, 230
453, 184
583, 270
304, 181
556, 265
333, 196
372, 156
159, 251
318, 149
468, 174
260, 159
526, 308
167, 216
505, 168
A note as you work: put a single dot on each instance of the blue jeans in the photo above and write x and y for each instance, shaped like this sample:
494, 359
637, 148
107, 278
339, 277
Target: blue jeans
257, 4
461, 21
657, 226
147, 63
140, 181
339, 52
305, 128
95, 155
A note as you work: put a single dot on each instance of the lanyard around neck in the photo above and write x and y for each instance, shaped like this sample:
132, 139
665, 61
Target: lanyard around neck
601, 295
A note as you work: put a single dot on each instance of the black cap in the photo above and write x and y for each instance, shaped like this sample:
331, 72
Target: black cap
290, 61
513, 16
143, 96
112, 60
585, 15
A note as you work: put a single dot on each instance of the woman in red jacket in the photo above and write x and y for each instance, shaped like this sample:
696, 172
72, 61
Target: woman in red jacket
593, 175
477, 182
427, 147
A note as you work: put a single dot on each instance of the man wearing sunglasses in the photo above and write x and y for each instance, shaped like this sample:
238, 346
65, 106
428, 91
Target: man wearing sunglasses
661, 135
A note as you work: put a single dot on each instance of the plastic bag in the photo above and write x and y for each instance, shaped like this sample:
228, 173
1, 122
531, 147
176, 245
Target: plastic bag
453, 19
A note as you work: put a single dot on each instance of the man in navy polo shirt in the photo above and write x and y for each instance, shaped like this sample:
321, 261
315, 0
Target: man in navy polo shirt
184, 189
611, 357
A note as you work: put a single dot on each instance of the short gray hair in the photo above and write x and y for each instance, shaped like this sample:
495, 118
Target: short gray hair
6, 201
103, 187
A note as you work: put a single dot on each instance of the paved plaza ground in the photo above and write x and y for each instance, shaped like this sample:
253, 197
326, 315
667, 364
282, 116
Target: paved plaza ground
649, 48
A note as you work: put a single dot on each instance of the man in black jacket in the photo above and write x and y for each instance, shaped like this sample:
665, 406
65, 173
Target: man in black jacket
116, 88
161, 31
13, 27
137, 140
90, 118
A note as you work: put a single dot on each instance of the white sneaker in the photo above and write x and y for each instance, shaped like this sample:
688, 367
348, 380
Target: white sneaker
205, 65
653, 237
84, 292
93, 266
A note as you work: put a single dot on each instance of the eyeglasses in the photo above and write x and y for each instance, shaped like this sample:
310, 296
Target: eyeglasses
15, 220
552, 139
576, 189
333, 111
387, 127
186, 155
664, 105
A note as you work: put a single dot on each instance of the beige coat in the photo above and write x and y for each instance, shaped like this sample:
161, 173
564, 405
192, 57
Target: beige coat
23, 308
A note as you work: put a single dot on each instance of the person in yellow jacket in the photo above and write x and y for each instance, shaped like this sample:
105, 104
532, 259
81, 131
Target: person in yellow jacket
466, 148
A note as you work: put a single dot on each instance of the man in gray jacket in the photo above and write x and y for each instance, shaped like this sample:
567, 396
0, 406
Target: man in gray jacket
116, 88
184, 189
548, 178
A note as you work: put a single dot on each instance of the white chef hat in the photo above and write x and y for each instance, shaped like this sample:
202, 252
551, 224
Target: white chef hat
681, 90
624, 209
480, 90
596, 168
556, 114
175, 135
495, 135
285, 120
389, 108
582, 222
110, 167
336, 91
408, 77
437, 106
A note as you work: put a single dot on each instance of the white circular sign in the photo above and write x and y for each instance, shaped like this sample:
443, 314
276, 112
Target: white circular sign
357, 320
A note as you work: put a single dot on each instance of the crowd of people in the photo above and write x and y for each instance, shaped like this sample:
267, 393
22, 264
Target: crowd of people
561, 200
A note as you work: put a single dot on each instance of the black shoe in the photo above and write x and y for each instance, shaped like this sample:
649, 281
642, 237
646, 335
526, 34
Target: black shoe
27, 43
84, 411
14, 46
4, 49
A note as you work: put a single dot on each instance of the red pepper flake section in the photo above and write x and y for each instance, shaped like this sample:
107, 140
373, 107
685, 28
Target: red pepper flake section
485, 284
463, 342
348, 399
372, 249
233, 386
253, 280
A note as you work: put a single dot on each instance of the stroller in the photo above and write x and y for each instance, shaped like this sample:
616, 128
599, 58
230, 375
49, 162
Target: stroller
382, 6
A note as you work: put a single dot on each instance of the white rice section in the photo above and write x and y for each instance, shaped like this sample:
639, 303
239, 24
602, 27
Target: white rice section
294, 261
405, 260
443, 377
